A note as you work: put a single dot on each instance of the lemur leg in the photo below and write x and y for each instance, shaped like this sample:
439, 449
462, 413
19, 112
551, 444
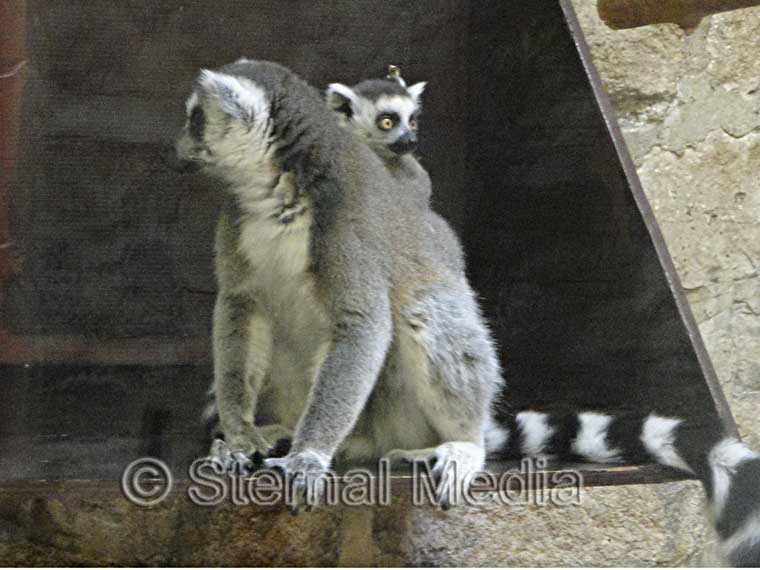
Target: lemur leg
344, 382
445, 346
242, 351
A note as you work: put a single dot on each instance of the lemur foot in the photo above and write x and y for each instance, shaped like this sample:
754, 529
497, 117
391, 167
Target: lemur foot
229, 461
246, 452
456, 462
306, 471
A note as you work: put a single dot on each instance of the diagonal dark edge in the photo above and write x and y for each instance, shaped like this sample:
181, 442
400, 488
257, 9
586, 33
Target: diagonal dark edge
674, 283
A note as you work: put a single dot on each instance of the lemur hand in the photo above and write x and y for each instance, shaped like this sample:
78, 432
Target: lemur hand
307, 472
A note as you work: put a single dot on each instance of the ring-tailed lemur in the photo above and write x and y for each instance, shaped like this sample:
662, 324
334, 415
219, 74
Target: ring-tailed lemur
384, 113
386, 119
335, 317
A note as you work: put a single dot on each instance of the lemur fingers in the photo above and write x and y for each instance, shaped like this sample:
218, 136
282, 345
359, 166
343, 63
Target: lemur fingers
456, 464
306, 471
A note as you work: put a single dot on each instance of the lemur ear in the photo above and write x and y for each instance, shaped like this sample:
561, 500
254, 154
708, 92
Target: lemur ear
341, 98
416, 90
241, 99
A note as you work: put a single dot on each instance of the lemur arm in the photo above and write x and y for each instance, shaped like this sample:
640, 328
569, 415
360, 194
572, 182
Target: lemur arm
360, 311
241, 346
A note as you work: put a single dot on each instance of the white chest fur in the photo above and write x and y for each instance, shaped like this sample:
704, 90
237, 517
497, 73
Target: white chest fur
274, 238
274, 233
275, 246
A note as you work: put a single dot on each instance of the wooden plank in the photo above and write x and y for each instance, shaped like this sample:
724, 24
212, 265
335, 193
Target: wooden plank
401, 480
63, 423
620, 14
78, 349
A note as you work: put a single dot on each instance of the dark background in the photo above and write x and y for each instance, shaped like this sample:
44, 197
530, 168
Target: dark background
114, 251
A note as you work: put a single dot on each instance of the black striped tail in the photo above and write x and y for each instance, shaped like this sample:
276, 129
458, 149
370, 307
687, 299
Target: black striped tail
728, 469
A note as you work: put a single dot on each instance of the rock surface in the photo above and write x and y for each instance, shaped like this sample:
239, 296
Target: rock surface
614, 526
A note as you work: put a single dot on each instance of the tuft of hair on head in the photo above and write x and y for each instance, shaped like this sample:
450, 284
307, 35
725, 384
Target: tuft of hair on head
394, 74
237, 97
415, 91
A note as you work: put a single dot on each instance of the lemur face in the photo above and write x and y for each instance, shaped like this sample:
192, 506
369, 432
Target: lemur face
381, 111
226, 132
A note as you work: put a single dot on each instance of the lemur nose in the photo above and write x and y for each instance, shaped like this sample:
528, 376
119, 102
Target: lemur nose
408, 136
405, 143
169, 157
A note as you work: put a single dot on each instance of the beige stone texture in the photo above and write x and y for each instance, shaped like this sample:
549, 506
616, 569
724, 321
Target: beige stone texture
689, 107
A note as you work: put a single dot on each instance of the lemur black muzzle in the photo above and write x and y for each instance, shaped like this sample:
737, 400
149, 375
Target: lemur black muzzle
405, 143
169, 158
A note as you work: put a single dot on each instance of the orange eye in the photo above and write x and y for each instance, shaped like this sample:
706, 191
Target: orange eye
413, 124
386, 123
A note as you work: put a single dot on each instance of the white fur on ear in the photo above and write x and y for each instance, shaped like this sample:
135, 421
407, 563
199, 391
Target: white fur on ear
238, 97
416, 90
338, 95
191, 102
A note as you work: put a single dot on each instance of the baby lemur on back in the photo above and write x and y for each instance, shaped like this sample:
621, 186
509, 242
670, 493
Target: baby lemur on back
384, 113
337, 317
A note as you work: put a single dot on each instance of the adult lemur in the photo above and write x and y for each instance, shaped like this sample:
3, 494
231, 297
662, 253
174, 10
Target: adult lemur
338, 316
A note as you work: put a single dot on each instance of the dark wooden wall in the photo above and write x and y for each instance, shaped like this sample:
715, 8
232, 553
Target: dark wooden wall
116, 250
115, 245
